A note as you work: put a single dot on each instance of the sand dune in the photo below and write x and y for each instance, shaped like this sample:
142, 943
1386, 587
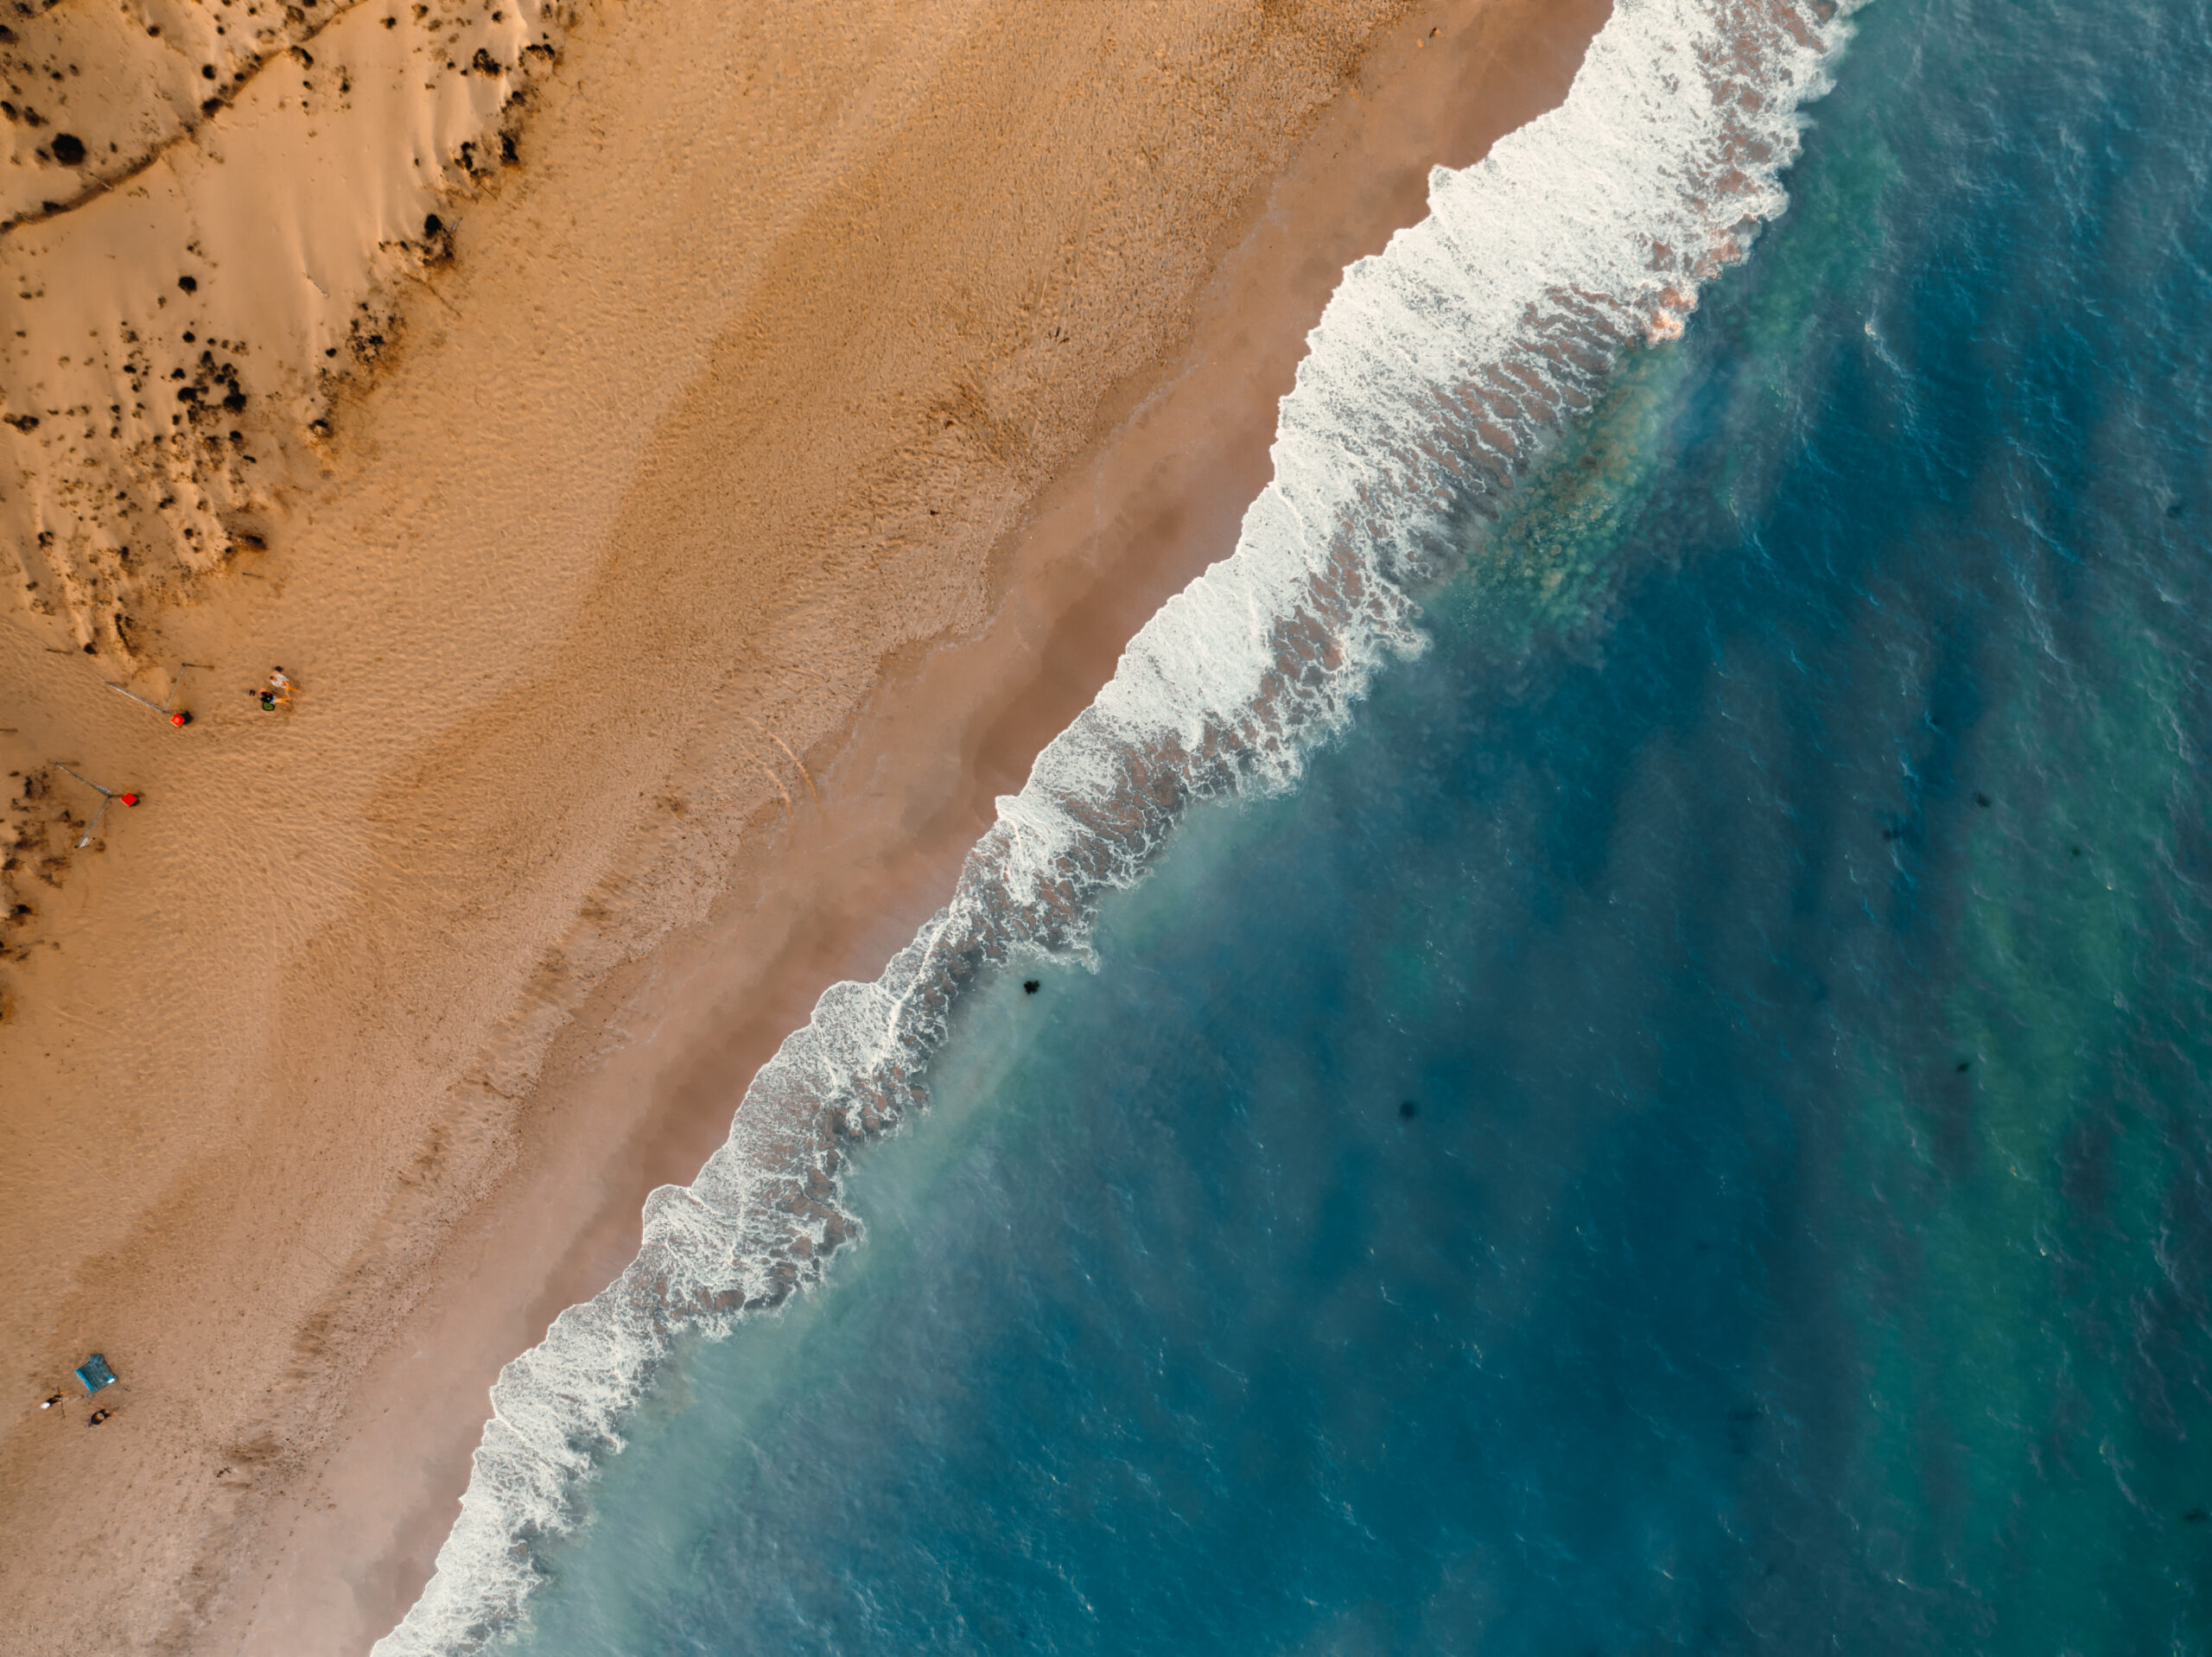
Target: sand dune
210, 236
692, 534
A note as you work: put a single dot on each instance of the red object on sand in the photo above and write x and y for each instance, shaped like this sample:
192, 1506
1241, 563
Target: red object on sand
179, 719
128, 799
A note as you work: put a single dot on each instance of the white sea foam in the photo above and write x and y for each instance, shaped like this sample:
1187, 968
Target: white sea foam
1434, 376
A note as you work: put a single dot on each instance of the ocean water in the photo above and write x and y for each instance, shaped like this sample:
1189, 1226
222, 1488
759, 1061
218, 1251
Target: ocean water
1639, 1085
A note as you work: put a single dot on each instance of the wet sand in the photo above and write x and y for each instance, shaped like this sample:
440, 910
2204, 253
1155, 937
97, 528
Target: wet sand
367, 1034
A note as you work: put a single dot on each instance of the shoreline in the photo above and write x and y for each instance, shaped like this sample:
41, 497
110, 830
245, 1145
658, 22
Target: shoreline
1171, 481
641, 1077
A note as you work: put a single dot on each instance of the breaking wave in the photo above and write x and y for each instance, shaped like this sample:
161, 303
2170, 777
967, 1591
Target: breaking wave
1435, 375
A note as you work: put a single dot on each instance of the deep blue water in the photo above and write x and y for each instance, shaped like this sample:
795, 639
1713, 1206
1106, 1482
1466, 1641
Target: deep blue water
1687, 1130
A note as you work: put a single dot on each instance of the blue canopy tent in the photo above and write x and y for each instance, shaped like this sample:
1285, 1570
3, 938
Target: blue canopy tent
95, 1374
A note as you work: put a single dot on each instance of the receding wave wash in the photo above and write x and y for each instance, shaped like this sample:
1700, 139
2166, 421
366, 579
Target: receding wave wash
1435, 377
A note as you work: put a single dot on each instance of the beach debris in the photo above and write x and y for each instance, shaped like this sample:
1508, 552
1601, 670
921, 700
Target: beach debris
109, 796
95, 1375
774, 783
788, 755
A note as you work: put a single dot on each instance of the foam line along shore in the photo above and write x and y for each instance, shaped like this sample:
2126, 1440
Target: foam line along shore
722, 427
1476, 334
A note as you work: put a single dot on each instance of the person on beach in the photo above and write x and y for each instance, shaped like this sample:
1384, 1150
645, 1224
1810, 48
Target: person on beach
51, 1402
98, 1416
277, 693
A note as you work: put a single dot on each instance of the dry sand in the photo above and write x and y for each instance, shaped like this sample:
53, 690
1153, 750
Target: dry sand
784, 456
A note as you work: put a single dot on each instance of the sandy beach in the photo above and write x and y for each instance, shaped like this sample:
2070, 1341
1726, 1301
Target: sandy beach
769, 446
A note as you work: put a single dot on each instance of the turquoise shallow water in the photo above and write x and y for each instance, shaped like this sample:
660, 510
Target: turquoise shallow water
1687, 1130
